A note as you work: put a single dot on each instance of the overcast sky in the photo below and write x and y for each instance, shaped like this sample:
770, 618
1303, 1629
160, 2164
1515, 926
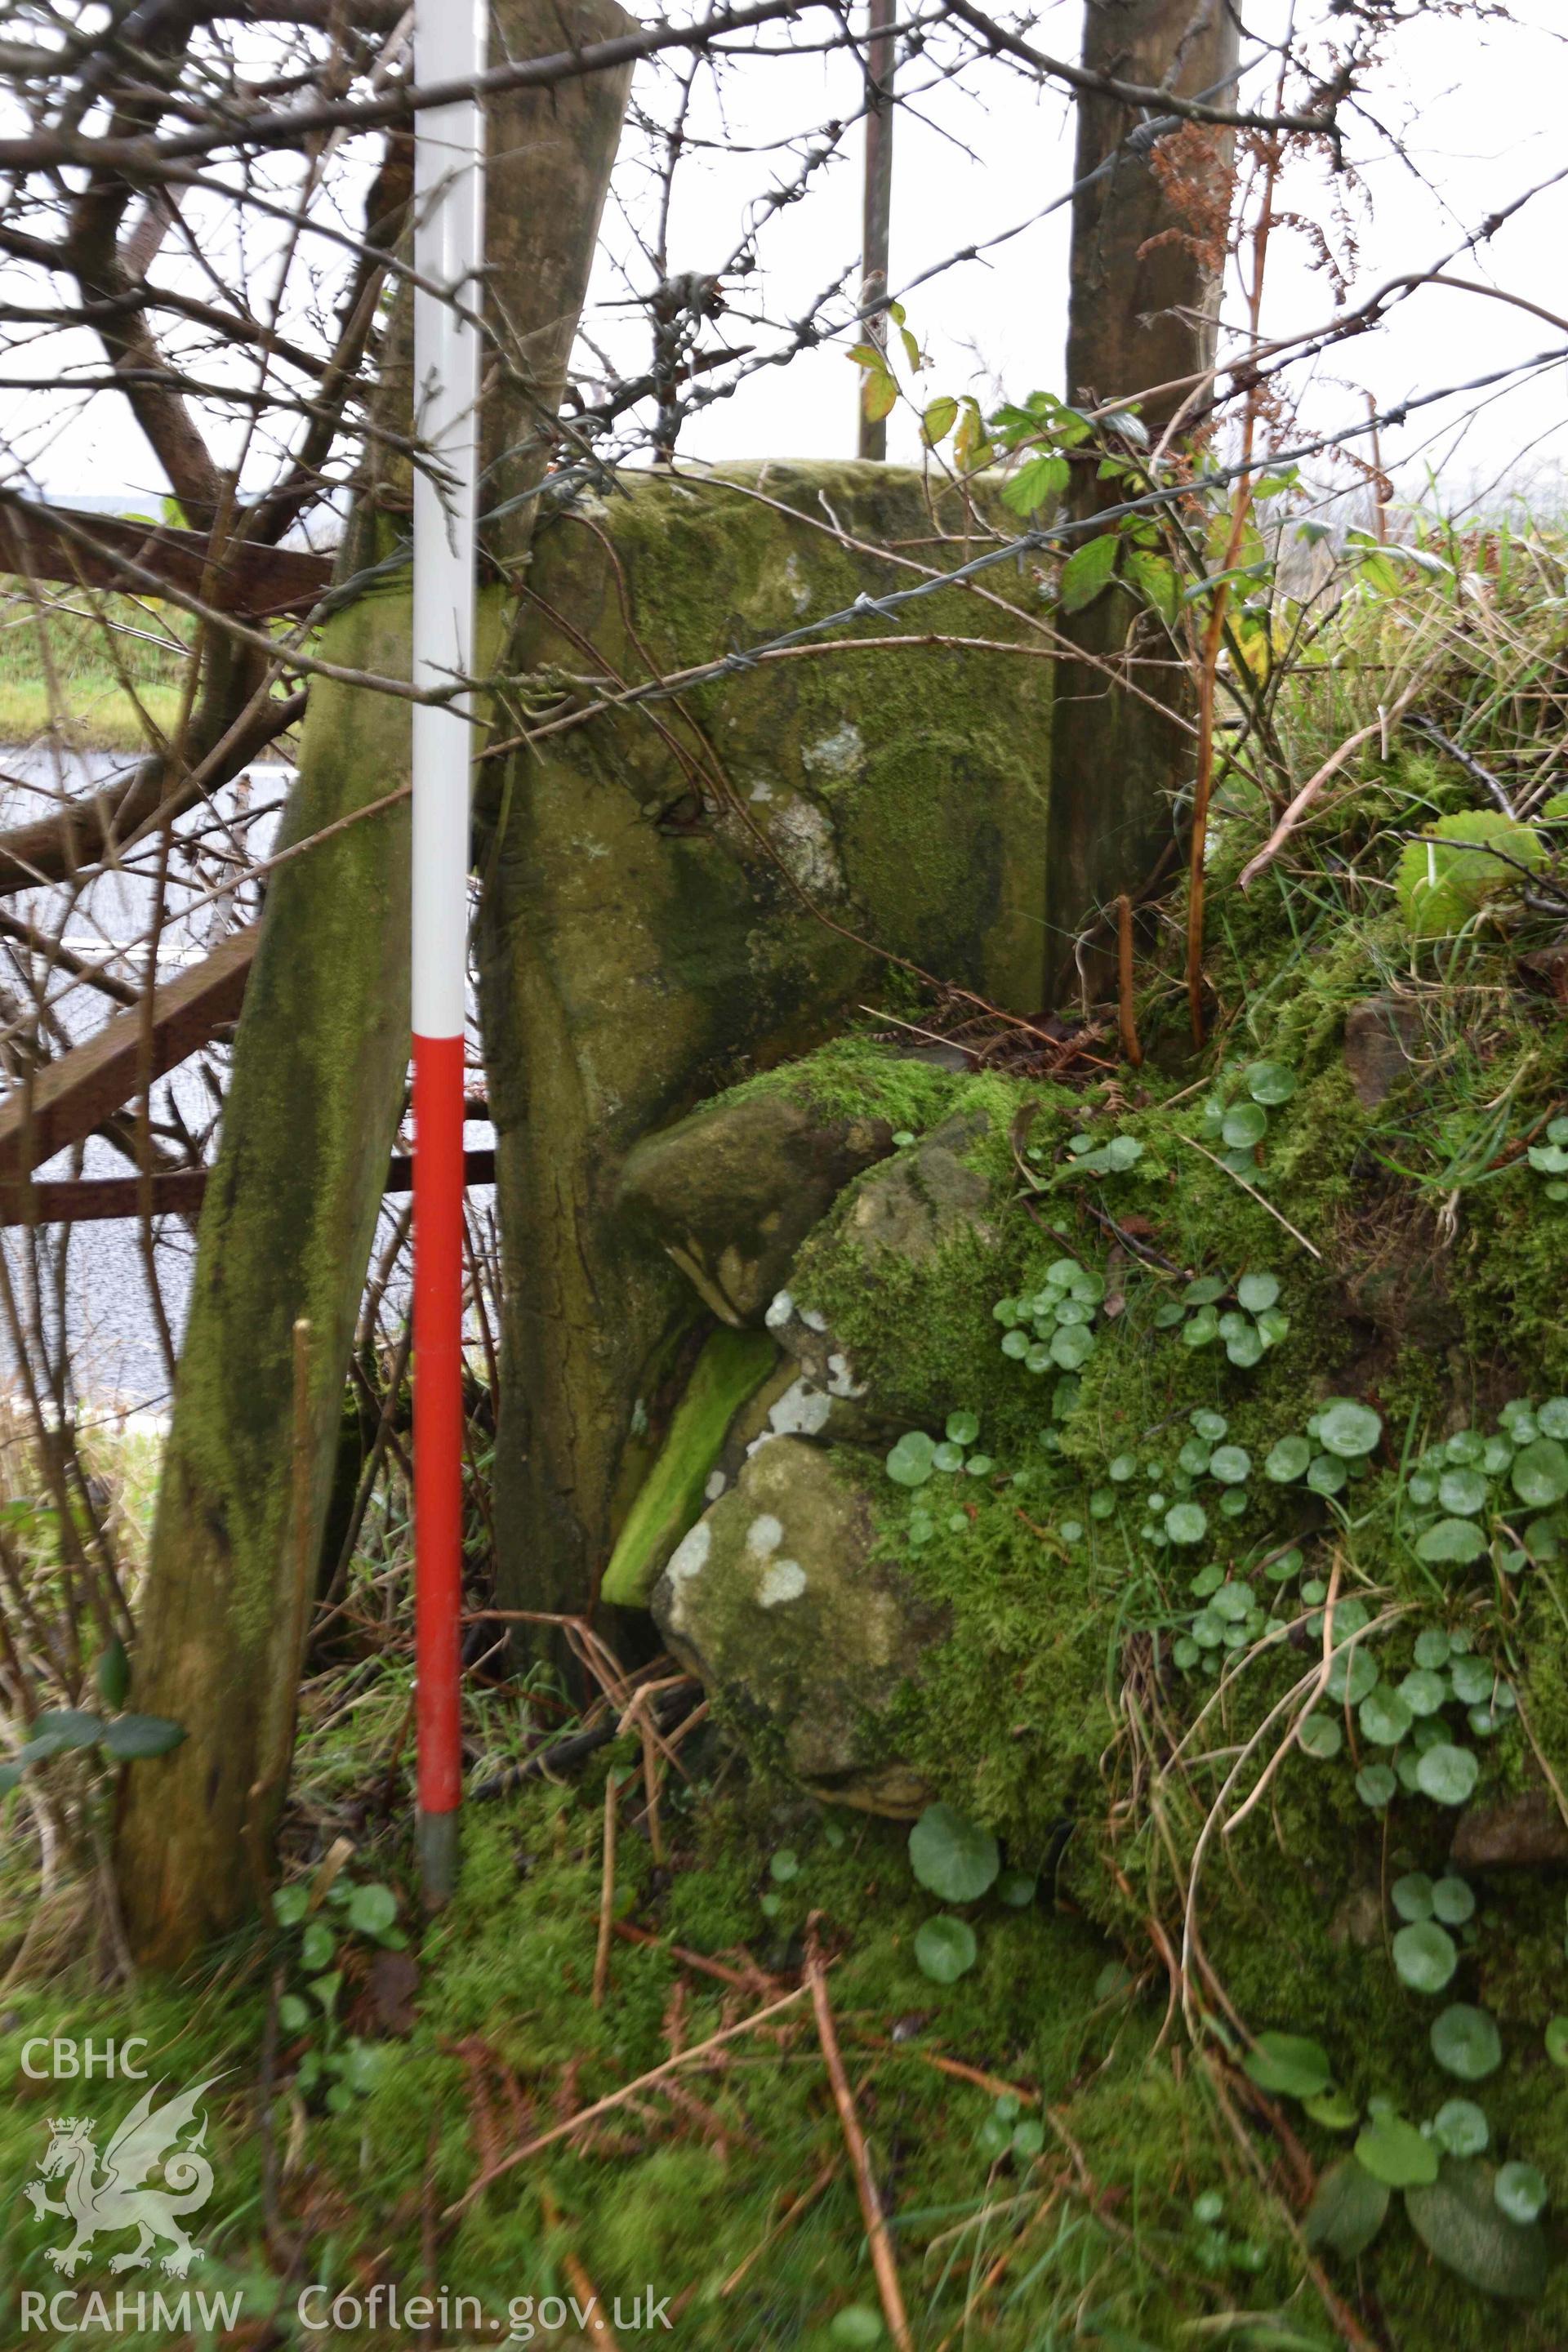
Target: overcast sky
1477, 109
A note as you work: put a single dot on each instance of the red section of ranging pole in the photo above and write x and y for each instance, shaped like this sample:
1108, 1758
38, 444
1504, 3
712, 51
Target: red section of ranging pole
438, 1416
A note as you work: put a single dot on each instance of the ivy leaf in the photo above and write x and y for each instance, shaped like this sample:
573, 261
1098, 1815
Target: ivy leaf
1088, 572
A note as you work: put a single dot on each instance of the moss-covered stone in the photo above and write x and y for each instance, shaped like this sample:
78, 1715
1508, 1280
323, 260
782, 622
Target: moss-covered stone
782, 1597
682, 894
731, 1193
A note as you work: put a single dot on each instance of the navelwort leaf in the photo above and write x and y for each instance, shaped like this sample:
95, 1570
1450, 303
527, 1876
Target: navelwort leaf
954, 1857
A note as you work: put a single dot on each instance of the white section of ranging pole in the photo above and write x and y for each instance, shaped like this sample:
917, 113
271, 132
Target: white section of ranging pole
449, 252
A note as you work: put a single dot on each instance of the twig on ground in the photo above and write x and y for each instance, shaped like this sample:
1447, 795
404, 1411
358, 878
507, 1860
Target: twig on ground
881, 2243
792, 2208
612, 2099
1310, 1247
606, 1893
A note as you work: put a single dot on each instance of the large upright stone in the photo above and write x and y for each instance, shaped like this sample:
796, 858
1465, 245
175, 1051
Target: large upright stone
683, 892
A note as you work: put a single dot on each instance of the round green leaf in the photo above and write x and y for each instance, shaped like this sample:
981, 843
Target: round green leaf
1553, 1419
1352, 1676
1424, 1957
1557, 2040
1208, 1423
1383, 1717
1451, 1543
1348, 1430
1472, 1681
945, 1949
1462, 2127
1520, 2192
1288, 1460
1269, 1082
316, 1946
1320, 1736
372, 1909
1203, 1291
910, 1463
1432, 1649
1244, 1125
1462, 1493
1015, 1888
962, 1428
1244, 1348
858, 2325
1186, 1523
1258, 1292
1448, 1774
1230, 1465
955, 1858
1540, 1474
1325, 1474
1466, 2042
1375, 1785
1452, 1902
1423, 1694
1289, 2063
1412, 1895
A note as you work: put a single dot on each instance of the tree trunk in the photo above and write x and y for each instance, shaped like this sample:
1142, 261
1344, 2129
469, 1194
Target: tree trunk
318, 1082
1145, 286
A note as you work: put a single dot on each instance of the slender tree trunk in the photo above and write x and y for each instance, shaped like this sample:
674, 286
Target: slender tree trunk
1147, 261
319, 1074
877, 207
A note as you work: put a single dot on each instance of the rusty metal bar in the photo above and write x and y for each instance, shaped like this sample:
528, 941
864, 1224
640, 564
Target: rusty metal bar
176, 1192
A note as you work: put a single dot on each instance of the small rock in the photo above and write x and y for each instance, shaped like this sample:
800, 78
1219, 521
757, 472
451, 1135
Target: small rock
733, 1191
1380, 1038
779, 1601
1522, 1832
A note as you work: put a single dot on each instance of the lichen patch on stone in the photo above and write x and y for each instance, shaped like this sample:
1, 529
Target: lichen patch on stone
783, 1579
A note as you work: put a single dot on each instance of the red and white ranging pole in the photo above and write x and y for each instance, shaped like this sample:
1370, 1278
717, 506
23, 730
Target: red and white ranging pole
448, 239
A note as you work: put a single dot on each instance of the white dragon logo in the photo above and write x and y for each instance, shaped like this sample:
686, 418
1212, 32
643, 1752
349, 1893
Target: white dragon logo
118, 2201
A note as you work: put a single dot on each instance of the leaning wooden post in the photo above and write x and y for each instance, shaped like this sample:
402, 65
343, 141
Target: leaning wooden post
319, 1068
1145, 292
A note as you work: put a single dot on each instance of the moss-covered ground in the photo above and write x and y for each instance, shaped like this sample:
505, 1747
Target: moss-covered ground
1224, 1682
